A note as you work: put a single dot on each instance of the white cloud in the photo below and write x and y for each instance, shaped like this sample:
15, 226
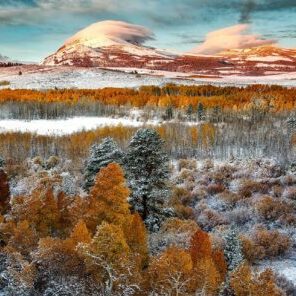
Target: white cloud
234, 37
108, 32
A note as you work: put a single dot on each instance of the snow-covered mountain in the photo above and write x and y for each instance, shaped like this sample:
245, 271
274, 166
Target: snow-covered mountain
108, 44
118, 44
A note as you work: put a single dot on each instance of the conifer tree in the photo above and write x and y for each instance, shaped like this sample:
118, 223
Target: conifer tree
100, 156
147, 170
200, 112
233, 249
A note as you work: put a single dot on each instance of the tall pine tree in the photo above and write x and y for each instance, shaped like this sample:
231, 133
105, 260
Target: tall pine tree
100, 156
147, 170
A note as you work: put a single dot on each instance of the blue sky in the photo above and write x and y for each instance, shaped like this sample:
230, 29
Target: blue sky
32, 29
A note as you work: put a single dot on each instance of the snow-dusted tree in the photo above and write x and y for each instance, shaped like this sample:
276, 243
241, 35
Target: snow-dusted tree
16, 275
2, 161
69, 184
200, 112
234, 258
100, 156
233, 249
147, 170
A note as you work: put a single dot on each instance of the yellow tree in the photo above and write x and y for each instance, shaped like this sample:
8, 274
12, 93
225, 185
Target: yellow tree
136, 237
40, 209
108, 260
23, 238
171, 273
108, 198
80, 233
206, 275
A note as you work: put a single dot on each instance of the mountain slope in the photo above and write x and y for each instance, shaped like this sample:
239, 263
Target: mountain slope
108, 43
118, 44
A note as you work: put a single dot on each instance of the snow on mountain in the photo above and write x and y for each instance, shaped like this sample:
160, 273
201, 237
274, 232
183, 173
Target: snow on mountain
116, 44
107, 43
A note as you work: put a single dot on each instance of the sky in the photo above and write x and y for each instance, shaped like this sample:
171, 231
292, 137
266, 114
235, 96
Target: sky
30, 30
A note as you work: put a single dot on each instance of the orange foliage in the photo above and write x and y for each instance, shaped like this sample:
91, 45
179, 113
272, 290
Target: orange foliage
169, 95
108, 198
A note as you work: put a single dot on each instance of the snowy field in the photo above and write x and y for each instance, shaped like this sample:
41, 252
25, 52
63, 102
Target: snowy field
67, 126
41, 77
285, 267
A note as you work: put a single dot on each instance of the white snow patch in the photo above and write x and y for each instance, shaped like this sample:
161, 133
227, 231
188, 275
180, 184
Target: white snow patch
67, 126
268, 59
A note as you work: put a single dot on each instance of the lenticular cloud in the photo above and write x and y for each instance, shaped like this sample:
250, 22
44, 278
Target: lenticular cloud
112, 32
234, 37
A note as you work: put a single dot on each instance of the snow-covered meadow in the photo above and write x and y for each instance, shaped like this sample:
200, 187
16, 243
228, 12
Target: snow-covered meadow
60, 127
46, 77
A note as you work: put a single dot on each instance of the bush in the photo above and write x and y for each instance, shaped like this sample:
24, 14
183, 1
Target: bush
209, 219
189, 164
215, 188
4, 83
272, 209
229, 197
263, 244
248, 187
186, 174
290, 193
277, 191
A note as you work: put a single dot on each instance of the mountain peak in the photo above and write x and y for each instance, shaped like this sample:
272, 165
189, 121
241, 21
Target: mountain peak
108, 33
260, 51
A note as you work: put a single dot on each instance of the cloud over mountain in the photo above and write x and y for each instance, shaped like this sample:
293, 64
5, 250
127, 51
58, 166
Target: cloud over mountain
110, 32
234, 37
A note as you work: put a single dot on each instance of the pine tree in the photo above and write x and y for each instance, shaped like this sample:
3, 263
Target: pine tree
189, 111
169, 113
100, 156
200, 112
147, 169
233, 249
234, 258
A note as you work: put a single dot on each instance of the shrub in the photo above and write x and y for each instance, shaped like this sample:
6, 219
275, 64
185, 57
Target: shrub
277, 191
229, 197
186, 174
209, 219
271, 209
4, 83
52, 162
189, 164
248, 187
263, 244
215, 188
290, 193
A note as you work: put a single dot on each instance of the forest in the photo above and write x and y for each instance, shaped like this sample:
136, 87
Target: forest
200, 203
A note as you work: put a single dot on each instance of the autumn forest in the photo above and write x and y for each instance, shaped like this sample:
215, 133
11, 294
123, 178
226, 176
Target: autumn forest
193, 194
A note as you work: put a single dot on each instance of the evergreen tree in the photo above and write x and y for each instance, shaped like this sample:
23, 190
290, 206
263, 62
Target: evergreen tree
147, 170
169, 113
233, 249
2, 162
189, 111
234, 258
200, 112
100, 156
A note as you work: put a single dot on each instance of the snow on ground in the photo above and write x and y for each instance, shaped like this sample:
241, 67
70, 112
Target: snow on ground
268, 59
285, 267
60, 127
42, 77
71, 77
67, 126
